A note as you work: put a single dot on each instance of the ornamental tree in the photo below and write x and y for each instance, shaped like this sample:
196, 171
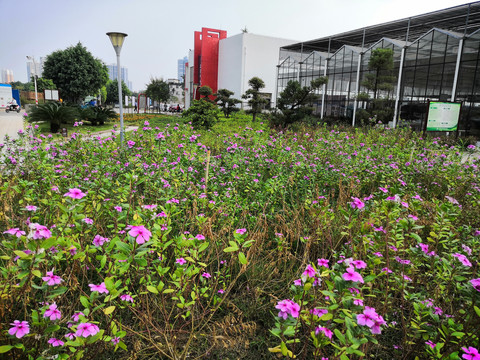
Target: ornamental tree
255, 99
75, 72
158, 90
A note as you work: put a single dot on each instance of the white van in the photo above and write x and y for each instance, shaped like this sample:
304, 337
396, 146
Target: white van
5, 95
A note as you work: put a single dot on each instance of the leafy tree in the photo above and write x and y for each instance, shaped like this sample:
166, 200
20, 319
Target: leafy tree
255, 99
112, 91
206, 92
158, 90
202, 113
75, 72
381, 78
18, 85
293, 101
54, 113
226, 102
42, 84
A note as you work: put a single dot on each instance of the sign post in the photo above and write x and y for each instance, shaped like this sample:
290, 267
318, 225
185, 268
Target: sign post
443, 116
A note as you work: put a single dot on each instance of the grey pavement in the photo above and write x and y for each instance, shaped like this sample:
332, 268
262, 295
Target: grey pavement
10, 124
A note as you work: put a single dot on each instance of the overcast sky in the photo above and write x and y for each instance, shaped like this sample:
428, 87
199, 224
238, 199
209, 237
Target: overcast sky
161, 31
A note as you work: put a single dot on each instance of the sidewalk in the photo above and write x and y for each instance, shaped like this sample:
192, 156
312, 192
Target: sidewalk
107, 133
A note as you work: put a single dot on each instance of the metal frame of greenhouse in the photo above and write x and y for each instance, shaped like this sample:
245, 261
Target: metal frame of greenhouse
436, 57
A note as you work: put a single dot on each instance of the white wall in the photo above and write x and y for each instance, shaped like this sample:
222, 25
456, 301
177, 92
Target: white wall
244, 56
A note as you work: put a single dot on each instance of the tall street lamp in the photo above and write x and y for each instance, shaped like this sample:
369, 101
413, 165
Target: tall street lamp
117, 41
34, 77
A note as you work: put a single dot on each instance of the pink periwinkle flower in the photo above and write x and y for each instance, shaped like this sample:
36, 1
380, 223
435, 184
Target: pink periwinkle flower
115, 340
55, 342
323, 262
475, 283
319, 312
88, 221
431, 344
100, 288
181, 261
241, 231
86, 329
53, 313
359, 264
357, 203
51, 279
31, 208
327, 332
75, 193
126, 297
206, 275
141, 234
288, 307
77, 315
15, 231
70, 336
118, 208
463, 259
352, 275
38, 231
200, 237
358, 302
309, 271
99, 240
130, 143
19, 328
471, 353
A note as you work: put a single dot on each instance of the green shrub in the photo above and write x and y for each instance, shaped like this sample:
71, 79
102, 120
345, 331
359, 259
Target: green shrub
203, 114
53, 113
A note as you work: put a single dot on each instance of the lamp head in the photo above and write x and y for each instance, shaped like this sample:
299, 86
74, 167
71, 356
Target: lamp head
117, 39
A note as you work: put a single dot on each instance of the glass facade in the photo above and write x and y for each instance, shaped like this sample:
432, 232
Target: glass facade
439, 64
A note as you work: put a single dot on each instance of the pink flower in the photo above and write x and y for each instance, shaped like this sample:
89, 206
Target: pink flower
241, 231
75, 193
288, 307
200, 237
86, 329
15, 231
383, 189
327, 332
55, 342
309, 271
206, 275
352, 275
130, 144
358, 302
77, 315
357, 203
140, 233
359, 264
319, 312
126, 297
377, 322
31, 208
51, 279
19, 329
118, 208
39, 231
471, 353
88, 221
463, 259
115, 340
181, 261
70, 336
431, 344
297, 282
99, 240
100, 288
475, 283
366, 319
149, 207
53, 313
323, 262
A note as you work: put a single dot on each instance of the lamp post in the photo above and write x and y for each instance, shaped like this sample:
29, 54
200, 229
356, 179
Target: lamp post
34, 77
117, 41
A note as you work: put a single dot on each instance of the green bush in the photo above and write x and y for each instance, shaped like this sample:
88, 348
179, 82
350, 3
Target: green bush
54, 113
203, 114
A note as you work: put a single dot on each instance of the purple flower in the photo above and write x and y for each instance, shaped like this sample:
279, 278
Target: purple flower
75, 193
51, 279
53, 313
352, 275
115, 340
100, 288
130, 143
19, 328
141, 234
55, 342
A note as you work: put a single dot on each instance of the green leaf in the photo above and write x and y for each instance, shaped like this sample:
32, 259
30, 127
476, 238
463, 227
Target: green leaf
123, 247
242, 258
152, 289
109, 310
52, 328
168, 291
84, 301
340, 336
477, 310
230, 249
5, 348
37, 273
141, 262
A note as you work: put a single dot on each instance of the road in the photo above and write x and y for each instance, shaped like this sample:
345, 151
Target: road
10, 124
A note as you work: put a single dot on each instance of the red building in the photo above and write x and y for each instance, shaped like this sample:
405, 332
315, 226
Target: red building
205, 72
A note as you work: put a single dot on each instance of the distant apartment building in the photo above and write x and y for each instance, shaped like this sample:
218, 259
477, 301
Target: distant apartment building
112, 74
7, 76
34, 68
181, 68
175, 87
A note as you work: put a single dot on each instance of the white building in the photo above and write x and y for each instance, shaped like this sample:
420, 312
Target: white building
241, 57
7, 76
246, 55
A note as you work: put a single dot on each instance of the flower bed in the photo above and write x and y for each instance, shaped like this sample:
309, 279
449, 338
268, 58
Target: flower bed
329, 244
